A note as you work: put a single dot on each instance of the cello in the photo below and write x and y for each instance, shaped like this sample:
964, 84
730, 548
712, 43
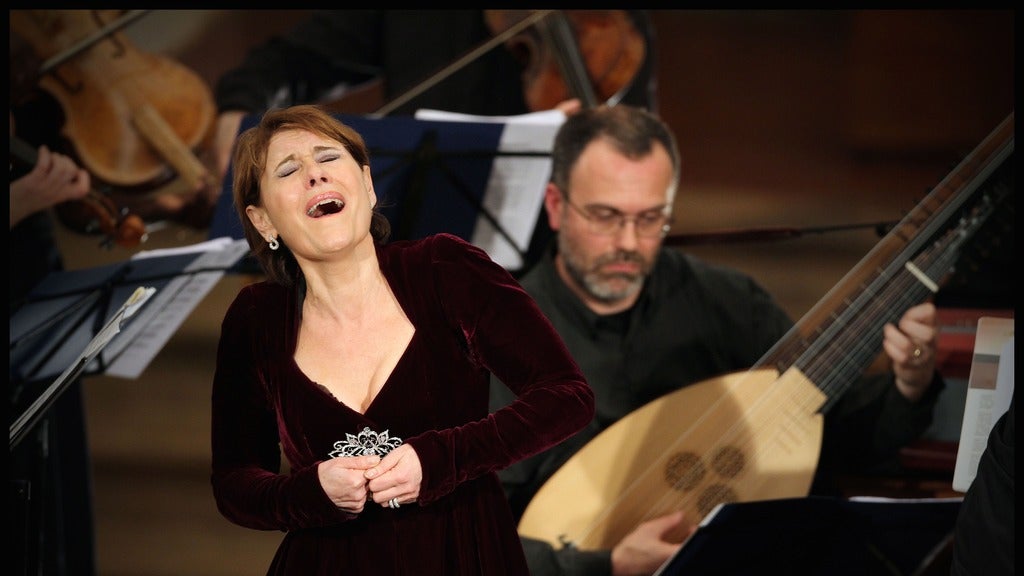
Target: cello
592, 55
132, 119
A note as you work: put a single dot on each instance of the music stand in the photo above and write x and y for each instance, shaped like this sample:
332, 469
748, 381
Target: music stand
31, 416
818, 536
440, 176
65, 312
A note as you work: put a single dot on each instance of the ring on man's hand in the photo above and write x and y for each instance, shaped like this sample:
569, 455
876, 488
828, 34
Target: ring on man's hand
393, 503
917, 352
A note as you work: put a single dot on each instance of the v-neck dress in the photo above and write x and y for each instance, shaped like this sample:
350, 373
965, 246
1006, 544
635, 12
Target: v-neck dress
471, 318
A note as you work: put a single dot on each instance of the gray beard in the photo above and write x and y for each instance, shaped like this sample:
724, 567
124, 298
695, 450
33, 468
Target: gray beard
597, 286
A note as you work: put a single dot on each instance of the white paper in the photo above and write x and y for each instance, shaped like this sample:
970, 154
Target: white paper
149, 333
207, 246
101, 340
989, 391
543, 118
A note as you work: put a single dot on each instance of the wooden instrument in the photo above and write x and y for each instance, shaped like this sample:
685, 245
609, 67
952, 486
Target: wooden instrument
756, 435
592, 55
94, 214
133, 119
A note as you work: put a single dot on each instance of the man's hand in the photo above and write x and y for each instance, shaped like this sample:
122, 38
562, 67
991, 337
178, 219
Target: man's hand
911, 346
570, 106
646, 548
54, 179
223, 143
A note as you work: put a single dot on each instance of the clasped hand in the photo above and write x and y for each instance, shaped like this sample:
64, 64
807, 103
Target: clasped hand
352, 481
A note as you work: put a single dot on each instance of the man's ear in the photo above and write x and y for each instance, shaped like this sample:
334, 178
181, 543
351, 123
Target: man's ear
554, 202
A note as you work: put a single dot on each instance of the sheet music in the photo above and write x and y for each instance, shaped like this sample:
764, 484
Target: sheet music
211, 245
542, 118
112, 328
989, 391
150, 332
515, 187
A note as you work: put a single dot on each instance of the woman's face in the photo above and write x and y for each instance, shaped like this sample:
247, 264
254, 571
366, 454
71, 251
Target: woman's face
315, 196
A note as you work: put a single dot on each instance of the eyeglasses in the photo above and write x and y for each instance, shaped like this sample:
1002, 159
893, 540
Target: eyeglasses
607, 221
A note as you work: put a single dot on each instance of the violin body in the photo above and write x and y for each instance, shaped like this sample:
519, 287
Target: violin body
593, 55
133, 120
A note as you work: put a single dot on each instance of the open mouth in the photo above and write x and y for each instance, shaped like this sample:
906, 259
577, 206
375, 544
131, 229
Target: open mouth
325, 208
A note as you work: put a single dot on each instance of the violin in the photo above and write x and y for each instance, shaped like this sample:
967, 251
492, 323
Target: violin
95, 213
133, 120
593, 55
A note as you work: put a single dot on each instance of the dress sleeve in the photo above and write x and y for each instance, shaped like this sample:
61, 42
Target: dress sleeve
507, 334
247, 484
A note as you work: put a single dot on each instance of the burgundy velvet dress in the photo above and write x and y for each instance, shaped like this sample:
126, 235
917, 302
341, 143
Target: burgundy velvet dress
471, 318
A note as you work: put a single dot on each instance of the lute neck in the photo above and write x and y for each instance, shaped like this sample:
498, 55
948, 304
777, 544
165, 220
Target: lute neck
836, 341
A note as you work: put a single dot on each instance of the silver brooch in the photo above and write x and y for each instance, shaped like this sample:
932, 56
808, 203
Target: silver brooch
365, 443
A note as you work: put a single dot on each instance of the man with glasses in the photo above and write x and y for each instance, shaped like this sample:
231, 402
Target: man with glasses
643, 320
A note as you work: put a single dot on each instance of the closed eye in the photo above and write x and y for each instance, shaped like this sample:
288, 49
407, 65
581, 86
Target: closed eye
604, 214
651, 218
